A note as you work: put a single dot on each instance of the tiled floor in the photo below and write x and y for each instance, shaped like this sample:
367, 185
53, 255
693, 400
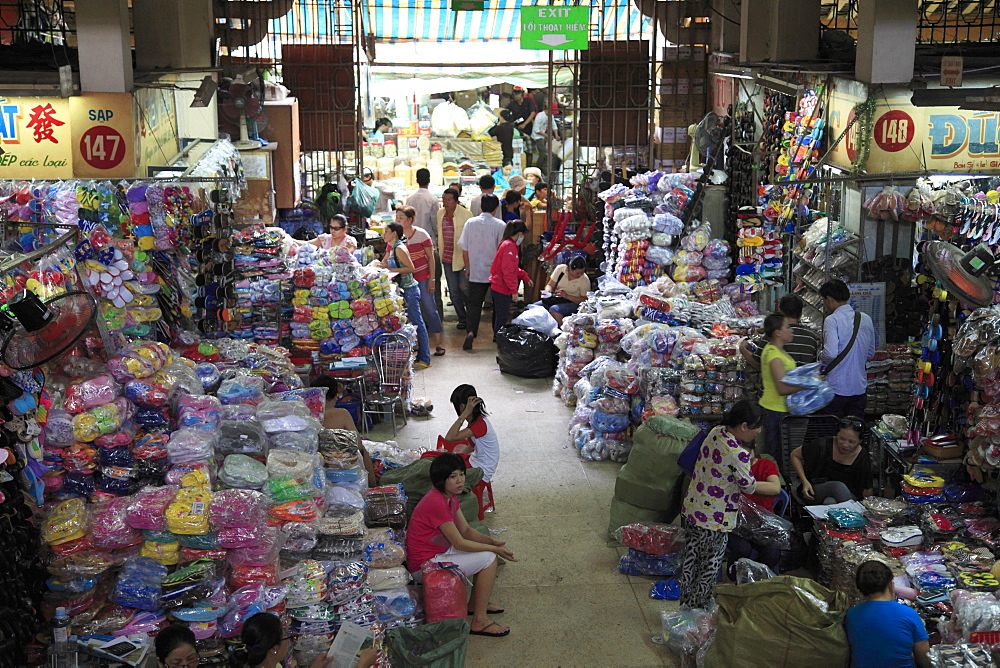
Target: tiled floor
567, 605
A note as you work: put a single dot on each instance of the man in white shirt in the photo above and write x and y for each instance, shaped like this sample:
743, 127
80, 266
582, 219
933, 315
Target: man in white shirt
487, 184
540, 134
481, 236
426, 206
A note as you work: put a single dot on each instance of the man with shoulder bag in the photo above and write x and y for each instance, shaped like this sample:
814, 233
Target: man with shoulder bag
848, 343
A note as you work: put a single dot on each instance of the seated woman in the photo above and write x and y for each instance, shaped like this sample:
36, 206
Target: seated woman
569, 286
765, 472
438, 531
835, 469
485, 449
340, 418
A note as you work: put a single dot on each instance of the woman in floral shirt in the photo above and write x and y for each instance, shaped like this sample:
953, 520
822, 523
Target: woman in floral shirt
721, 474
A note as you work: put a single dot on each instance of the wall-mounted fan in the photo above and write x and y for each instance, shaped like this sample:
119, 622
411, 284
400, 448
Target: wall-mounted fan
35, 332
971, 276
241, 104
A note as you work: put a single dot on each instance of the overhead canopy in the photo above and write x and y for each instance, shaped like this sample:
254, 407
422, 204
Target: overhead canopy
396, 20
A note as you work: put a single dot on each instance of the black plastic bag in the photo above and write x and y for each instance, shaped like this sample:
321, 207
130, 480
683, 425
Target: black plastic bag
526, 353
758, 525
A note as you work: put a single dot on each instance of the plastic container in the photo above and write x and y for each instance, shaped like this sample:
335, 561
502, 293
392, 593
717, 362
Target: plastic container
60, 627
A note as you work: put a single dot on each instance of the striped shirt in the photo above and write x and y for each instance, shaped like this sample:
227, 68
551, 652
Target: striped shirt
421, 248
448, 242
804, 348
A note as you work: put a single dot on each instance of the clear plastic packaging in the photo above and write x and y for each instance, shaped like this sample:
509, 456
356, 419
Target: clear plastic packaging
748, 570
651, 537
68, 521
762, 526
202, 411
146, 508
188, 513
83, 395
634, 562
338, 448
346, 581
242, 390
243, 437
232, 508
139, 584
241, 471
109, 529
386, 506
191, 444
290, 463
388, 578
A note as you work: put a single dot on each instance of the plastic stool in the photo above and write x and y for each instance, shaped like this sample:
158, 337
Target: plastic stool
478, 490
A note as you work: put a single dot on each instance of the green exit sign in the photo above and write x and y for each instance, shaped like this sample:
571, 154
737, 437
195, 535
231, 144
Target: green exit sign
561, 28
468, 5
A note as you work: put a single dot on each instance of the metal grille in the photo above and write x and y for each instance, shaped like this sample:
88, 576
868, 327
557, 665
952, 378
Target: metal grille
613, 106
37, 22
938, 22
958, 21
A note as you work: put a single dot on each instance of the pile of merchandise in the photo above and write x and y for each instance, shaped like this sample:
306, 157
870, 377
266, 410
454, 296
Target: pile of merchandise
199, 486
341, 308
678, 357
653, 548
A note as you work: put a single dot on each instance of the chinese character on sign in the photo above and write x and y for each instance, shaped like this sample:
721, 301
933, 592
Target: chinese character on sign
42, 121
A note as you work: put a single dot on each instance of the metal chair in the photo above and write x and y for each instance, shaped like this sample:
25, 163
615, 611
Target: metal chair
392, 362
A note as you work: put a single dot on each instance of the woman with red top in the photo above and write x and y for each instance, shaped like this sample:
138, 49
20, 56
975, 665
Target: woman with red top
506, 273
439, 532
421, 248
768, 478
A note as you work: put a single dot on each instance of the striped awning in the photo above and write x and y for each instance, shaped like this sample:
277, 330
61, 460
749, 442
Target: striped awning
434, 20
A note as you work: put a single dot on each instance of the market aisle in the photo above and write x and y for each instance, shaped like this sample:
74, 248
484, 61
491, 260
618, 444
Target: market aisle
566, 603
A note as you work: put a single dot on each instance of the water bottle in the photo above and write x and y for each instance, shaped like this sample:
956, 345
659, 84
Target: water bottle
62, 653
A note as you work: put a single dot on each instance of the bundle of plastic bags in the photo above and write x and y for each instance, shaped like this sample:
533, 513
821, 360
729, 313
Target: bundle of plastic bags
816, 395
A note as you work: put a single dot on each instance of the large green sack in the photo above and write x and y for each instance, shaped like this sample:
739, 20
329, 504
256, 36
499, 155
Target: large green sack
777, 623
650, 476
623, 514
416, 481
437, 645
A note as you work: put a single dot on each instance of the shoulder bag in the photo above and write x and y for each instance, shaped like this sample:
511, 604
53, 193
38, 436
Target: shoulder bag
850, 344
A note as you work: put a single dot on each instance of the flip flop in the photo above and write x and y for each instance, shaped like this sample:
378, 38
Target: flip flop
439, 352
498, 611
484, 632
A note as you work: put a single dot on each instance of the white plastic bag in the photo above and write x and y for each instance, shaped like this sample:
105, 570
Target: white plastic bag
537, 318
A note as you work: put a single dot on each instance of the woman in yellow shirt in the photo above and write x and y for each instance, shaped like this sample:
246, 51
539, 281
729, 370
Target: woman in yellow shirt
774, 364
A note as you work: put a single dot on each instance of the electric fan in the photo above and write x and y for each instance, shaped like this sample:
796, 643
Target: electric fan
241, 104
35, 332
970, 276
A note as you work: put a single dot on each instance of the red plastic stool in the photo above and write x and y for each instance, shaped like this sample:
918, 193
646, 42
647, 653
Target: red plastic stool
478, 490
481, 487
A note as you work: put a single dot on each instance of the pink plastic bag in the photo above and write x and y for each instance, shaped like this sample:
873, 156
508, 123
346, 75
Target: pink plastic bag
444, 591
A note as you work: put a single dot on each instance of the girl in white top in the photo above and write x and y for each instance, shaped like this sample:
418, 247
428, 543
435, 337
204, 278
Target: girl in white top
486, 448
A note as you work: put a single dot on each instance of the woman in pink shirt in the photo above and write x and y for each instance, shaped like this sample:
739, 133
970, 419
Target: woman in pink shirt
506, 273
439, 532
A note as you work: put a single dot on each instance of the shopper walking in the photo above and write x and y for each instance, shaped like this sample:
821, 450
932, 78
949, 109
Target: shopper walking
774, 364
883, 632
421, 249
848, 343
397, 258
721, 474
487, 184
506, 273
425, 206
541, 136
479, 241
451, 219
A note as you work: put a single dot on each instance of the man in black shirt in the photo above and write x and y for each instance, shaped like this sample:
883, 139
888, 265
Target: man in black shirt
522, 115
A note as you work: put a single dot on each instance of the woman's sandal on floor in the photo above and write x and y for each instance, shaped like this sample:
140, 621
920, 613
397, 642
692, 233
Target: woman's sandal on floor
484, 632
439, 351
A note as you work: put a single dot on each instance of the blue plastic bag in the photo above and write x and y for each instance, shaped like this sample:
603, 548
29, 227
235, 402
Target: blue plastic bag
635, 562
669, 590
811, 400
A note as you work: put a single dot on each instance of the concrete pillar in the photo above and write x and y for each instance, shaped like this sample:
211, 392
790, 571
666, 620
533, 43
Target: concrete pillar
887, 39
105, 44
755, 30
779, 30
173, 35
